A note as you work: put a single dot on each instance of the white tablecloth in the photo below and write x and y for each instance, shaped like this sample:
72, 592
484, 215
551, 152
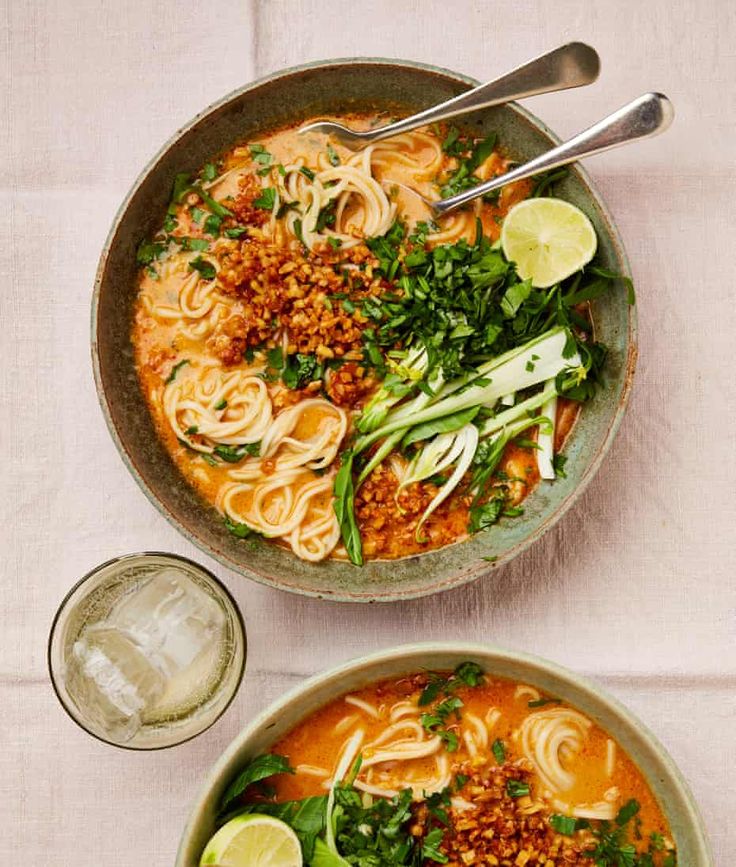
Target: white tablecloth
634, 588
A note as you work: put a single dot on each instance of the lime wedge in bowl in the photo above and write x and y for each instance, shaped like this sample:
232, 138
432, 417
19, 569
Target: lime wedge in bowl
548, 239
253, 841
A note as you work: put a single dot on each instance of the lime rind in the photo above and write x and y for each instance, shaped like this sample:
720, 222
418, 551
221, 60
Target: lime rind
254, 840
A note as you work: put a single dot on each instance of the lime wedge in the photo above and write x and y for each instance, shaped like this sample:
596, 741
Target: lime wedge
253, 841
548, 239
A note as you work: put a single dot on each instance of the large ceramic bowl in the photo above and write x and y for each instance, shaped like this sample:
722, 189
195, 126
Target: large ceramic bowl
658, 768
286, 98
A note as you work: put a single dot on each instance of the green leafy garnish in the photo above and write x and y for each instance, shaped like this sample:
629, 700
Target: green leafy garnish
332, 155
150, 250
377, 835
205, 268
517, 789
464, 177
499, 751
435, 721
300, 370
235, 231
266, 200
344, 506
240, 531
212, 225
175, 369
566, 825
258, 769
234, 454
466, 674
541, 702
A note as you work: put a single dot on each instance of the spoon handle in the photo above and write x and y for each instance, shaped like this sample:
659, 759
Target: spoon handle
646, 116
571, 65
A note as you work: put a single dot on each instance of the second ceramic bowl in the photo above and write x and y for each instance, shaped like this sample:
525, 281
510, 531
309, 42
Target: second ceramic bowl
657, 767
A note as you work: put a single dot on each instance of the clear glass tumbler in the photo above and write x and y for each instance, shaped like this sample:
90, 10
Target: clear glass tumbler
147, 651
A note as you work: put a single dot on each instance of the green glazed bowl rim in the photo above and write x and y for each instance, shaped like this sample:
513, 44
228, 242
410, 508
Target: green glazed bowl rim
687, 825
459, 576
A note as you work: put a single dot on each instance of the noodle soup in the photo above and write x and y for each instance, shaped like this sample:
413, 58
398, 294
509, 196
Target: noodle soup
459, 768
299, 311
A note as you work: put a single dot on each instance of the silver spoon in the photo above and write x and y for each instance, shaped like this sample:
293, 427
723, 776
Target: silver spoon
644, 117
571, 65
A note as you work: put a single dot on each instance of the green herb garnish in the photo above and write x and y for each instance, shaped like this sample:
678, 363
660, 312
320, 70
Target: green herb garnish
517, 789
175, 370
266, 200
205, 268
499, 751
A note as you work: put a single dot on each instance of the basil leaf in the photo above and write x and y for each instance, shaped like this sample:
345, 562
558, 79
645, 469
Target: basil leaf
258, 769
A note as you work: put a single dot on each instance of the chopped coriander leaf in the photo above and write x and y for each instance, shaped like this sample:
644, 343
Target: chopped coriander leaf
150, 250
192, 429
197, 244
285, 207
627, 812
235, 232
348, 306
300, 370
212, 225
266, 200
541, 702
234, 454
175, 370
275, 358
452, 145
221, 404
332, 156
181, 187
335, 243
208, 459
517, 789
197, 214
566, 825
326, 216
209, 172
499, 751
430, 846
470, 673
240, 531
205, 268
484, 516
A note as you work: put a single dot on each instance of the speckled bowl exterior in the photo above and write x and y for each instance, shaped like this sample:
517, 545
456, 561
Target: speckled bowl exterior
286, 98
660, 771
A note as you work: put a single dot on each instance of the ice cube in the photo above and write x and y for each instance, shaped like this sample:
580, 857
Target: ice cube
171, 619
111, 681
